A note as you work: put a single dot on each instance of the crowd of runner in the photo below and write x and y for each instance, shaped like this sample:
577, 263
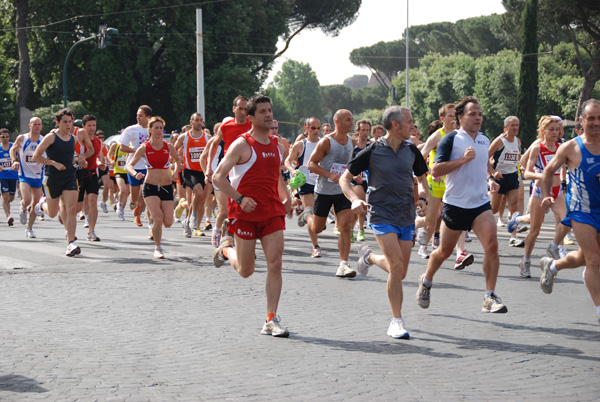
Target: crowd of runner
241, 180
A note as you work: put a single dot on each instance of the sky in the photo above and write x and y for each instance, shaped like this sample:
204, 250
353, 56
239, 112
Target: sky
378, 20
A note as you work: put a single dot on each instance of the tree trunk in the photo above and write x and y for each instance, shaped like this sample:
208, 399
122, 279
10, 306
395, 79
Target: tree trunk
590, 78
24, 83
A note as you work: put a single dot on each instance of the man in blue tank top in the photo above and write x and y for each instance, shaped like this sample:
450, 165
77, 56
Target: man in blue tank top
582, 156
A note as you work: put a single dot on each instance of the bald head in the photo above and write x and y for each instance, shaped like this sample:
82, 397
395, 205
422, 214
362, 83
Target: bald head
35, 125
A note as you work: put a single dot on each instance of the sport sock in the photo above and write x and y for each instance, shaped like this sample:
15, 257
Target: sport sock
270, 316
598, 310
488, 293
427, 283
553, 268
525, 259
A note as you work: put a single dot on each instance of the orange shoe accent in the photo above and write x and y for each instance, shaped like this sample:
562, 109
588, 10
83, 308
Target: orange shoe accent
136, 211
138, 221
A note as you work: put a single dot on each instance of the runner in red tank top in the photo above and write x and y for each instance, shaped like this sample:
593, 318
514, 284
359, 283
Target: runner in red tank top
256, 189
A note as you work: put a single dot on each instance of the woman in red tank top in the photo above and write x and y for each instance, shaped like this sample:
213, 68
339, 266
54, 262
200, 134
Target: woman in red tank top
158, 187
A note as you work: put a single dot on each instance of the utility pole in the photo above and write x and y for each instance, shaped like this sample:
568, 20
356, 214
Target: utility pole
199, 64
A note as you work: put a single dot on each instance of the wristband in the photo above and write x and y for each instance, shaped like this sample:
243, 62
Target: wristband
491, 177
424, 200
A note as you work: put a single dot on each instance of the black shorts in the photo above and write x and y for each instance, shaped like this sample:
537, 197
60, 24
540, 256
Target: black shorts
306, 189
165, 193
55, 185
122, 176
323, 203
113, 178
191, 178
88, 184
102, 172
509, 182
457, 218
286, 175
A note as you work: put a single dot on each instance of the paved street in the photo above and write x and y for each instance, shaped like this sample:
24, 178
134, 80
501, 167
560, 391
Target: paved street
115, 324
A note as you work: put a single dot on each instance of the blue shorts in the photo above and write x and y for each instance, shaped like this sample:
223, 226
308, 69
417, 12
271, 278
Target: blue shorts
8, 186
457, 218
306, 189
405, 233
582, 217
135, 182
33, 183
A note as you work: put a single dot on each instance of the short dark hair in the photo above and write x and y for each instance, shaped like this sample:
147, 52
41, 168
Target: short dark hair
588, 102
88, 117
434, 126
100, 132
64, 112
239, 98
5, 130
444, 108
146, 109
462, 104
254, 101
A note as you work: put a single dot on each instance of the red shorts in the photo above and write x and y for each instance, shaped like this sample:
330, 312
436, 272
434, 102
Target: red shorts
248, 230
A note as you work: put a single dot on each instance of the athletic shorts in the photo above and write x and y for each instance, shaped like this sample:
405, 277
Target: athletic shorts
508, 182
88, 184
286, 175
555, 192
124, 176
436, 188
582, 217
364, 184
180, 178
192, 178
165, 193
457, 218
405, 233
102, 172
135, 182
33, 183
113, 179
323, 203
248, 230
55, 185
8, 186
306, 189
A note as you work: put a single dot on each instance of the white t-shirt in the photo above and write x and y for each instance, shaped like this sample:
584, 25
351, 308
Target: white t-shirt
134, 136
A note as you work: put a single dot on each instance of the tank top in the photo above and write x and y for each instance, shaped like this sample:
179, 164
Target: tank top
507, 158
544, 157
6, 162
62, 152
583, 193
335, 161
309, 147
120, 160
430, 160
258, 178
158, 159
192, 149
231, 131
28, 168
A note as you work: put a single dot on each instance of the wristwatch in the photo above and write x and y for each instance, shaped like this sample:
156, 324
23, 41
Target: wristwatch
424, 200
239, 200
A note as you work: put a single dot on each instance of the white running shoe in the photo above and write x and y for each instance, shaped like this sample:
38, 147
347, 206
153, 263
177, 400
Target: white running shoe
30, 234
422, 236
344, 270
23, 217
158, 253
38, 207
304, 215
363, 260
72, 249
397, 330
91, 236
274, 328
216, 237
552, 251
121, 214
423, 253
104, 207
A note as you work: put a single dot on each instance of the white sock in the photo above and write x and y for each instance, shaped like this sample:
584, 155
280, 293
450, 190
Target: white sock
427, 283
598, 310
488, 293
553, 268
554, 245
525, 259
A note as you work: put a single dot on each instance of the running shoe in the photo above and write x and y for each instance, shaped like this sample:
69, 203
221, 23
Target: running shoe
81, 216
10, 221
344, 270
274, 328
91, 236
436, 242
561, 251
216, 237
422, 236
316, 252
463, 260
42, 216
468, 238
423, 253
193, 221
30, 234
521, 227
121, 214
500, 223
336, 231
493, 304
158, 252
352, 236
360, 236
547, 278
512, 224
397, 330
72, 249
179, 208
570, 239
552, 251
38, 207
136, 210
225, 228
187, 230
86, 224
330, 218
207, 225
525, 267
150, 234
516, 242
104, 207
198, 233
363, 260
23, 217
218, 257
423, 293
138, 221
304, 216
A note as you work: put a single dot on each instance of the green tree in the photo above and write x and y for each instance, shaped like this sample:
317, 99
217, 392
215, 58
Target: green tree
335, 97
528, 79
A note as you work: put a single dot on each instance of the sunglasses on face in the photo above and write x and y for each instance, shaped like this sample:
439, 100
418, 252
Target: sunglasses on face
315, 128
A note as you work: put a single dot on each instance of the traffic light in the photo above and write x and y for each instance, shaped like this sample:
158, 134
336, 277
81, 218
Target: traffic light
102, 36
109, 32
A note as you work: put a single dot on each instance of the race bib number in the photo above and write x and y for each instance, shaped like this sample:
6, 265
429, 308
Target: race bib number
337, 168
121, 163
6, 163
195, 153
